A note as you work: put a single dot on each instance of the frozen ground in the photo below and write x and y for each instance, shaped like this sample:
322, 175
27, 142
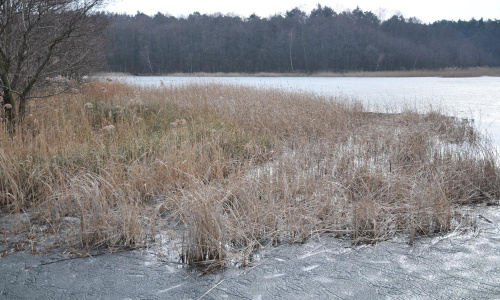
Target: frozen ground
460, 264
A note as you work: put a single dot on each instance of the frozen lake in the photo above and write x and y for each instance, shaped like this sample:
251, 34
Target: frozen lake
477, 97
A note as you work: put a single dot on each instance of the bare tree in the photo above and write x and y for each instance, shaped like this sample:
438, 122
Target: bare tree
42, 39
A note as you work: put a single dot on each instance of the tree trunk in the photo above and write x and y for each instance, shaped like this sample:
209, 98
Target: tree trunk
9, 110
9, 105
291, 43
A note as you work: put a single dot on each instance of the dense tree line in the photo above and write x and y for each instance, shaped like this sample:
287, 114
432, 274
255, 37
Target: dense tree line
322, 40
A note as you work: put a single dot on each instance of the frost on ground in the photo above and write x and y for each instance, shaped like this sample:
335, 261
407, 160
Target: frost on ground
464, 263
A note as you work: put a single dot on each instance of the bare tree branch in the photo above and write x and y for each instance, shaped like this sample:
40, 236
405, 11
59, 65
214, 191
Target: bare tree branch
43, 38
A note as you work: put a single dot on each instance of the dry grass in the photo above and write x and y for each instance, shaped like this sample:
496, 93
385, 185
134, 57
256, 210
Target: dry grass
446, 72
231, 168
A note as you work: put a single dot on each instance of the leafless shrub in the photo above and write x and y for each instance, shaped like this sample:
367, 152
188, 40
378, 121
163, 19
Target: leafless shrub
59, 41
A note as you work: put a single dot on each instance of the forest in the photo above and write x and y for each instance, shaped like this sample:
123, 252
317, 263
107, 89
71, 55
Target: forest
296, 42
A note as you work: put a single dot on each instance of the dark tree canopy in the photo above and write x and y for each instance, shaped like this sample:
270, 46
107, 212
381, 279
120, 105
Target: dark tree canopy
42, 39
320, 11
323, 40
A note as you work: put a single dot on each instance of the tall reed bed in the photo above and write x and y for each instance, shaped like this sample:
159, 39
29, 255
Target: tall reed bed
230, 168
445, 72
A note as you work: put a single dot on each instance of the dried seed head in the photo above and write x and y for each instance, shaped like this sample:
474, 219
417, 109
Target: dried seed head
109, 128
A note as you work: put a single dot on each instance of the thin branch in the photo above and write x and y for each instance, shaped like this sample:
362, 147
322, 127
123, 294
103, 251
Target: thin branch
207, 292
48, 95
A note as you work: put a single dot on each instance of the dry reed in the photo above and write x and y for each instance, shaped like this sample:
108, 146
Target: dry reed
445, 72
230, 168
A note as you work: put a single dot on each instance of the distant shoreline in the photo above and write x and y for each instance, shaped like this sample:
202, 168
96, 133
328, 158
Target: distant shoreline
448, 72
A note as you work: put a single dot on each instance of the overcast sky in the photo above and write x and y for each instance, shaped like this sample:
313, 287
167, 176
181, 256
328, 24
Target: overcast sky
425, 10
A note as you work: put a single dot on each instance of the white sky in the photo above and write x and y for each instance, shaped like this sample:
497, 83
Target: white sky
425, 10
